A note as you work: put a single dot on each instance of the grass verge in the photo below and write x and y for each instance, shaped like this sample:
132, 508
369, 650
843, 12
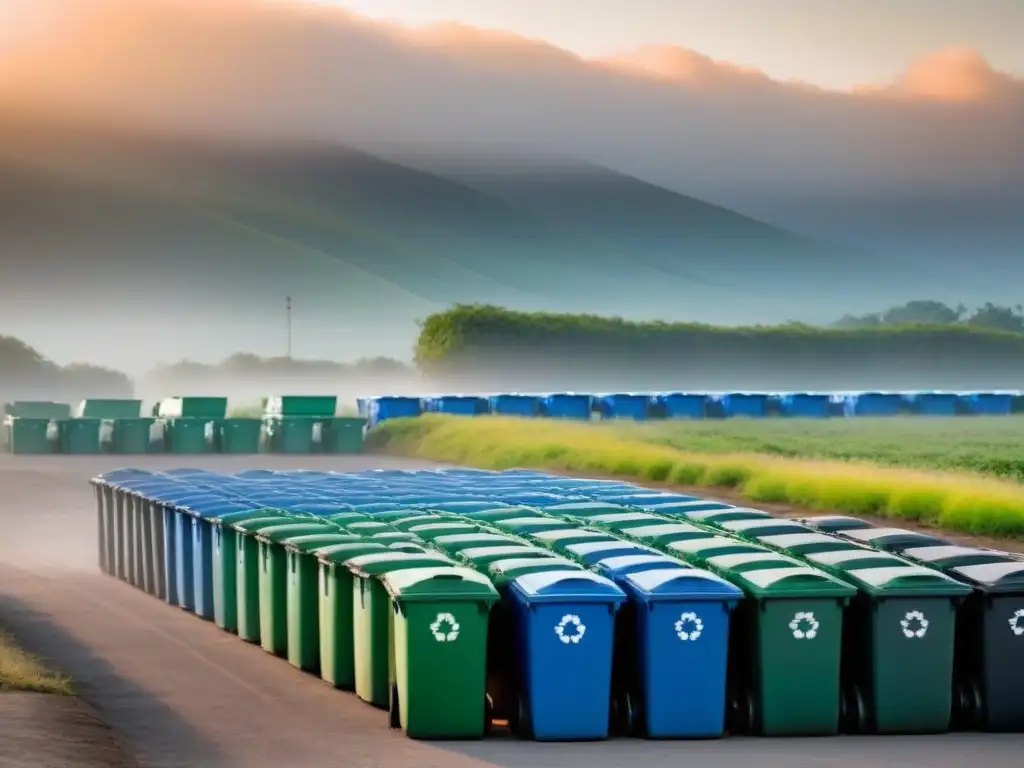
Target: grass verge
956, 502
21, 671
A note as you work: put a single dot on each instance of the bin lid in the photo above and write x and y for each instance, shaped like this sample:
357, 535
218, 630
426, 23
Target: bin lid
585, 508
775, 524
507, 550
528, 522
418, 518
440, 583
791, 581
728, 513
614, 545
696, 546
339, 553
474, 539
994, 577
804, 539
293, 528
407, 546
368, 525
664, 528
618, 563
892, 536
226, 518
563, 534
255, 524
676, 583
565, 587
552, 562
373, 563
310, 542
906, 580
862, 555
727, 562
343, 517
448, 525
953, 554
835, 522
623, 517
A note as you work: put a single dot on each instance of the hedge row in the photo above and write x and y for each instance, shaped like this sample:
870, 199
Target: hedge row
508, 346
955, 502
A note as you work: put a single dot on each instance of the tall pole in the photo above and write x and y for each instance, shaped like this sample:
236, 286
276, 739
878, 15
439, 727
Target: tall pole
288, 312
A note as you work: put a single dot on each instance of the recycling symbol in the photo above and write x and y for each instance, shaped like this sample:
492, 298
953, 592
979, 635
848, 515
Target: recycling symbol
573, 635
445, 628
914, 624
1017, 622
689, 626
804, 626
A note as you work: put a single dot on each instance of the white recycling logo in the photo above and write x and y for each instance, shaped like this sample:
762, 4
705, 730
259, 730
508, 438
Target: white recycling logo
804, 626
914, 624
689, 626
570, 635
445, 628
1017, 622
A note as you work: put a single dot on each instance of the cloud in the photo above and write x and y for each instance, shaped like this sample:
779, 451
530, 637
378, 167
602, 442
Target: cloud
247, 69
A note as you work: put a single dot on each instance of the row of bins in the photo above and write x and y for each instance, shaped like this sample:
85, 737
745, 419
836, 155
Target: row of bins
355, 578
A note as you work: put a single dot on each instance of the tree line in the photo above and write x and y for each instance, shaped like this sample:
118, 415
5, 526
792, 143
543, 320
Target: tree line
931, 312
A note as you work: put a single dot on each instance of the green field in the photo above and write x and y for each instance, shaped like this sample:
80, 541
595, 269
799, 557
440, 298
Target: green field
991, 446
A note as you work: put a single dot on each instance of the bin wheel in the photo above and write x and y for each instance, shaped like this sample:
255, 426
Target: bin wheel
967, 705
394, 713
742, 713
523, 720
853, 710
633, 717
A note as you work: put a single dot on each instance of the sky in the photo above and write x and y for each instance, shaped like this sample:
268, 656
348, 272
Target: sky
831, 43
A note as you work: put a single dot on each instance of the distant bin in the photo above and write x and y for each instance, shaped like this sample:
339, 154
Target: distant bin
240, 436
566, 405
834, 523
393, 407
565, 627
448, 527
224, 556
80, 436
343, 434
933, 403
671, 664
481, 558
371, 612
749, 404
134, 436
893, 539
682, 405
452, 544
438, 640
458, 405
660, 535
317, 406
189, 435
873, 404
515, 405
247, 573
806, 405
624, 406
30, 436
792, 619
95, 408
337, 660
988, 403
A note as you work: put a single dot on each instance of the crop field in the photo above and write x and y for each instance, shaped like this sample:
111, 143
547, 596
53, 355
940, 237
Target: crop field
962, 475
991, 446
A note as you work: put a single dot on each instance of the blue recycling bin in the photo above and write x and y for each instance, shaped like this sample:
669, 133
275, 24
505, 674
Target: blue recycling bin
515, 405
873, 404
624, 405
804, 405
987, 403
565, 626
932, 403
393, 407
590, 552
566, 405
458, 405
750, 404
202, 566
681, 405
184, 570
673, 673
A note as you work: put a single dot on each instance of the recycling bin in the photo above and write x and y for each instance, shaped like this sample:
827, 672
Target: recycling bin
898, 648
989, 690
483, 510
371, 609
753, 529
671, 652
893, 539
388, 514
697, 551
343, 434
80, 436
247, 573
584, 509
791, 620
448, 527
303, 599
438, 640
834, 523
663, 533
501, 572
454, 543
525, 526
367, 527
560, 538
240, 435
718, 515
202, 566
480, 558
800, 544
334, 583
133, 435
223, 556
104, 506
620, 521
589, 552
273, 580
565, 629
947, 557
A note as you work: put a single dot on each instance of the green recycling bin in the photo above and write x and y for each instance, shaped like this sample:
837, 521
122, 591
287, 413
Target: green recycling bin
343, 434
800, 544
898, 645
785, 647
392, 537
295, 434
133, 436
447, 527
223, 563
585, 509
240, 436
532, 524
273, 579
303, 599
481, 558
697, 551
80, 436
334, 583
560, 538
438, 642
371, 609
30, 436
497, 514
503, 571
454, 543
189, 435
665, 532
412, 520
717, 516
247, 573
367, 527
834, 523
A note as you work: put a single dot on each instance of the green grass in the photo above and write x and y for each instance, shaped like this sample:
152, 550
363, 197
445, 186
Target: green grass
990, 446
21, 671
958, 502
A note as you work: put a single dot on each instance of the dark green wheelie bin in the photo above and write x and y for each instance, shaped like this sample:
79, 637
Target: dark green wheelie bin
273, 578
787, 629
371, 610
133, 436
834, 523
532, 524
697, 551
240, 435
80, 436
303, 599
893, 539
989, 691
437, 643
334, 583
224, 571
343, 434
804, 543
247, 573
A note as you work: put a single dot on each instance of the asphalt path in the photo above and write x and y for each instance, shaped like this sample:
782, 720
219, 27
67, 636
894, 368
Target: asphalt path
177, 691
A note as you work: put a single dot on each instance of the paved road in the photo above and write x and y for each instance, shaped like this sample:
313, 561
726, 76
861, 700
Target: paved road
179, 692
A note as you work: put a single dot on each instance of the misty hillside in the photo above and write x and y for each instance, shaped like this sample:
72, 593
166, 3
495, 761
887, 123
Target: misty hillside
211, 237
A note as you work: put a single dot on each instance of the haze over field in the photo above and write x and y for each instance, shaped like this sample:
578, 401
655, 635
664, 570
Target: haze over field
170, 171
